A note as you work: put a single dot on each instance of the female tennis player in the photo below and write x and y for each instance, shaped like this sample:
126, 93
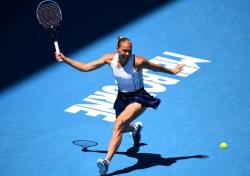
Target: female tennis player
132, 98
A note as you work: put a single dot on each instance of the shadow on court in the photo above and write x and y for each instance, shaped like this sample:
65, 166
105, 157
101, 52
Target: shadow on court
146, 160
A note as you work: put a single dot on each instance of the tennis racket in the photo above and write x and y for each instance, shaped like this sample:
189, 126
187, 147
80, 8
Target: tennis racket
49, 16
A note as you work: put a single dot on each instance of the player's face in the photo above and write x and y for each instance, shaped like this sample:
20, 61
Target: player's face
124, 50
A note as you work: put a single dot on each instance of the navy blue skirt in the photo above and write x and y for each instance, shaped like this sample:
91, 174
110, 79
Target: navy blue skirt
140, 96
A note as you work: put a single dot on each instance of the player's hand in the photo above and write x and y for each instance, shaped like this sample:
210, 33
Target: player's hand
178, 68
60, 57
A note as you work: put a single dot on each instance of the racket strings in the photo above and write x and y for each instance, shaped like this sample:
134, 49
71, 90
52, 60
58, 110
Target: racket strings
49, 14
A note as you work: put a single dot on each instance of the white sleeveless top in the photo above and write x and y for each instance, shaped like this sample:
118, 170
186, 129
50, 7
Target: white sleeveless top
128, 79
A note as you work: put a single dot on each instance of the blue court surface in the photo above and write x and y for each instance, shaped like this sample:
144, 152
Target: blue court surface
204, 105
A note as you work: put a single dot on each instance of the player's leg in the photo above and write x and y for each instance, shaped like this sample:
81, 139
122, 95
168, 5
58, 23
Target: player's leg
122, 121
132, 127
135, 129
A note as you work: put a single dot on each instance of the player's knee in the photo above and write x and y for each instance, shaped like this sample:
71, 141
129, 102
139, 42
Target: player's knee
119, 126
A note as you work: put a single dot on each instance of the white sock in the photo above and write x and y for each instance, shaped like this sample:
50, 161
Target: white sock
135, 128
107, 161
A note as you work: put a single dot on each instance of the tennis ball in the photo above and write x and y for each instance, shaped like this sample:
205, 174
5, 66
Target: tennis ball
223, 146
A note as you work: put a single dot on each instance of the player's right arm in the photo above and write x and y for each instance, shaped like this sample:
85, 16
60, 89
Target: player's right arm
85, 67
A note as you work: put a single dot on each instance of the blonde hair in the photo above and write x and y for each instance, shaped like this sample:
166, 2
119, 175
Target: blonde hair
122, 39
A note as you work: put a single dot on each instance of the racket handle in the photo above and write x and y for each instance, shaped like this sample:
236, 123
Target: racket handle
57, 49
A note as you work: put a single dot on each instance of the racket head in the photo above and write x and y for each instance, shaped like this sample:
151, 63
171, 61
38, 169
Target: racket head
85, 144
49, 15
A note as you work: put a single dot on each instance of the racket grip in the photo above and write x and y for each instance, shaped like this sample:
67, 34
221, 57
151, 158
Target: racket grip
57, 49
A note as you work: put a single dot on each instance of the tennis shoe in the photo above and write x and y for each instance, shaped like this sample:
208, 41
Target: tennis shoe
137, 133
103, 166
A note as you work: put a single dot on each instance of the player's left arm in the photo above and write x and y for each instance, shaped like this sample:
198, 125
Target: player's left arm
142, 62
